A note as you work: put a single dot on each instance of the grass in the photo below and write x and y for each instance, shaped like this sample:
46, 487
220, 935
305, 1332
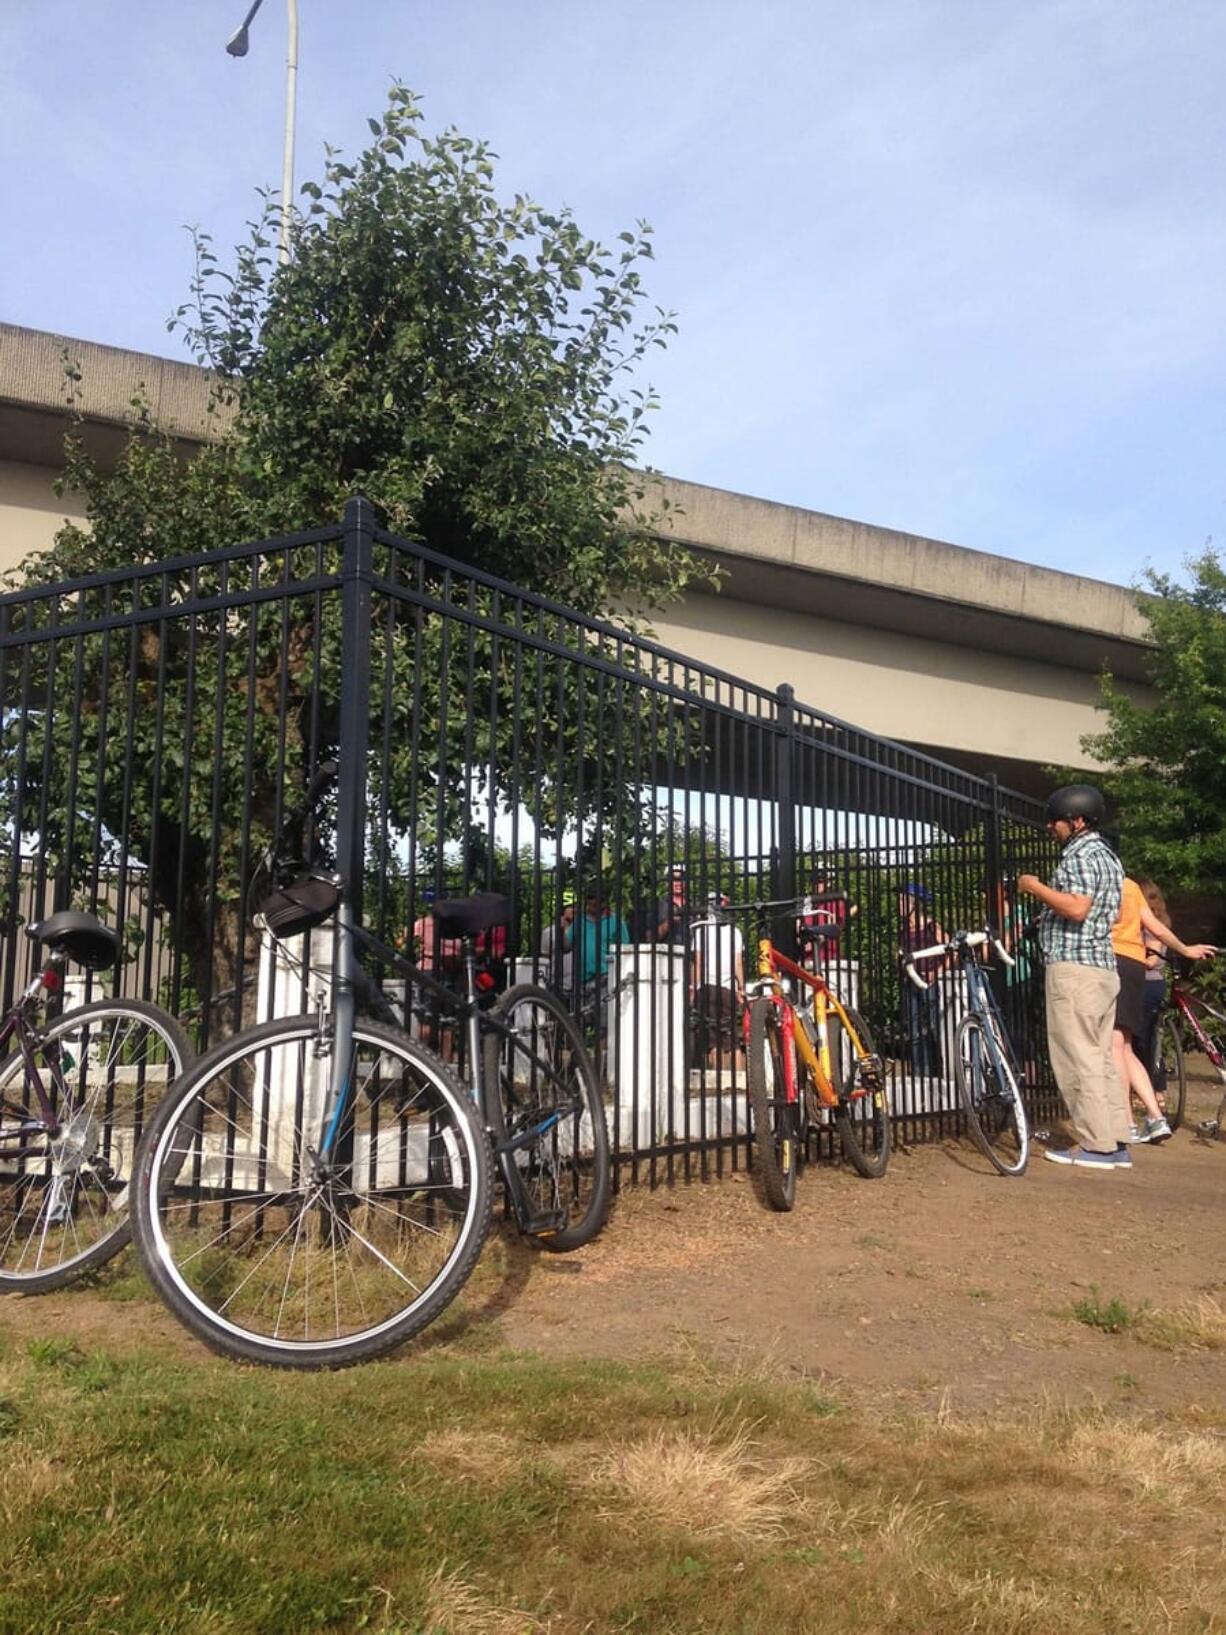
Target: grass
466, 1489
1197, 1325
1112, 1316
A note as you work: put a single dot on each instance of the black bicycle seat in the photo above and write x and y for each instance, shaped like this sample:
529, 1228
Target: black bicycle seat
84, 939
465, 916
818, 933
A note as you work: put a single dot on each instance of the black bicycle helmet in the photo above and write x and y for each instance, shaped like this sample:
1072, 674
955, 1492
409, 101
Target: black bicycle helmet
1077, 800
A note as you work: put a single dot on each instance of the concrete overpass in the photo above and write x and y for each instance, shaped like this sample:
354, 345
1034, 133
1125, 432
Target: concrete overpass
988, 663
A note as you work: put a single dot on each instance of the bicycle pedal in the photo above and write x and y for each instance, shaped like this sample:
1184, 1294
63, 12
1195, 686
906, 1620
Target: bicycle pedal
546, 1225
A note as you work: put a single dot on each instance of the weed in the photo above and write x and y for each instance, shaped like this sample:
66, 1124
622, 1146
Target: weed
1112, 1316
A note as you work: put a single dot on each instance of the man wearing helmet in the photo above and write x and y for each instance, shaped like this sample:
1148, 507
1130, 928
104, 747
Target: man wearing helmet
1079, 908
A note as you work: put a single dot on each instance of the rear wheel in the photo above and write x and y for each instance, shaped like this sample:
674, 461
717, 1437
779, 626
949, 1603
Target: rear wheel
64, 1197
775, 1116
990, 1098
541, 1080
271, 1254
1167, 1068
863, 1110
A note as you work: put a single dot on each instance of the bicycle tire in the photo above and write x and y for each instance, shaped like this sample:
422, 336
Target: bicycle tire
862, 1112
991, 1099
1168, 1064
267, 1257
64, 1213
520, 1084
774, 1118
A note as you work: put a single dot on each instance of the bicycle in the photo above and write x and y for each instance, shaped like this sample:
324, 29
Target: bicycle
74, 1099
1207, 1025
831, 1044
984, 1064
319, 1188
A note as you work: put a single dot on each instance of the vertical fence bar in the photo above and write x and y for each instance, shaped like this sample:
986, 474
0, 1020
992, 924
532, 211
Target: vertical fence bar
785, 800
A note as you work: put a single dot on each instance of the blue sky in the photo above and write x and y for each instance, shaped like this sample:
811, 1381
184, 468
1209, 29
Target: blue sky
951, 266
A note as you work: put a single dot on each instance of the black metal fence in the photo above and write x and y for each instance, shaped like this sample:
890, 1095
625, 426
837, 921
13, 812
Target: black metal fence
156, 722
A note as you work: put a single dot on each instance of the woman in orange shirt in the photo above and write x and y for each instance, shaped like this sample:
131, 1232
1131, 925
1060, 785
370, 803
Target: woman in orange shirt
1128, 939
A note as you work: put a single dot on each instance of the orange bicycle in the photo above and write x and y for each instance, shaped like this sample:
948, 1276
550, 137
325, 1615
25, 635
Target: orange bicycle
808, 1058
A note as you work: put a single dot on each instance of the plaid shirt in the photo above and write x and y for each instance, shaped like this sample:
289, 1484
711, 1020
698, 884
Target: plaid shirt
1089, 868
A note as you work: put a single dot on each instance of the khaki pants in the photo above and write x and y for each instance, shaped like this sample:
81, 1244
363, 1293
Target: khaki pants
1080, 1017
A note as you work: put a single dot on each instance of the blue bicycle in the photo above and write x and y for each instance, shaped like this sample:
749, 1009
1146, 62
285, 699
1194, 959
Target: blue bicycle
984, 1063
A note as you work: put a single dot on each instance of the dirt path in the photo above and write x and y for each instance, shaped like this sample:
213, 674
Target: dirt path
940, 1282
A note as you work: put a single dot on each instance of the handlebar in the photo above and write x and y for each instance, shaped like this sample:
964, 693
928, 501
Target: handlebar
941, 950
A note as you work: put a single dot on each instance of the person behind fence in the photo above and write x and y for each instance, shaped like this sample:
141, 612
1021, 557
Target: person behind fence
557, 949
1081, 982
671, 910
718, 973
592, 937
921, 1010
827, 917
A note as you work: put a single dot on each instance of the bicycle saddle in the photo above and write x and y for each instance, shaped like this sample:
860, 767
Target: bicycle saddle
818, 933
83, 938
465, 916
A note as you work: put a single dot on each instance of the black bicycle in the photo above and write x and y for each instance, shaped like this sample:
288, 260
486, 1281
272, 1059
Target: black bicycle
75, 1096
319, 1188
983, 1058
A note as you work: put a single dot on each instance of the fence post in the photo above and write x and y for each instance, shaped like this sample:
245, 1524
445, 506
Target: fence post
993, 878
357, 573
785, 798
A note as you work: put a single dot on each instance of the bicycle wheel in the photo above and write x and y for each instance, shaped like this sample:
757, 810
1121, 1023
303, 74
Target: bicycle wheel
990, 1098
863, 1110
1167, 1068
64, 1198
543, 1104
775, 1124
270, 1254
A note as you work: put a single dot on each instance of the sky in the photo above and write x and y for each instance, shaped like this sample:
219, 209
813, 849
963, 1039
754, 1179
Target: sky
956, 267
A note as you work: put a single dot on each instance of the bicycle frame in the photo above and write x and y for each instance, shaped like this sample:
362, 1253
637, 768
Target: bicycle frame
1187, 1005
18, 1023
772, 967
348, 977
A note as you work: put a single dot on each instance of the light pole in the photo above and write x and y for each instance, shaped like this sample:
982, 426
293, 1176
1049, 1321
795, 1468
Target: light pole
237, 45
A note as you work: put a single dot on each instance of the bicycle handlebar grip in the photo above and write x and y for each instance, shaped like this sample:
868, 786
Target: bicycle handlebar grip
1003, 951
916, 978
940, 949
325, 777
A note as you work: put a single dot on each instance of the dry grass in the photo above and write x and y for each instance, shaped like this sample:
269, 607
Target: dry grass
471, 1455
26, 1480
456, 1607
706, 1485
1197, 1325
1180, 1464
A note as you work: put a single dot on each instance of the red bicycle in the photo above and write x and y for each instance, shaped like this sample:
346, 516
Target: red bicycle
1206, 1025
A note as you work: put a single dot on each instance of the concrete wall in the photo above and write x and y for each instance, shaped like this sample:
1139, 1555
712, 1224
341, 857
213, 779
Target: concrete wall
922, 691
30, 513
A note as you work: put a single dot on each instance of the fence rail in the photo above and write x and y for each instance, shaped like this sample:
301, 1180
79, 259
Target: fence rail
158, 721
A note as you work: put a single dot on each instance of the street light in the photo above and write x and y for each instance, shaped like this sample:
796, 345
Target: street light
237, 46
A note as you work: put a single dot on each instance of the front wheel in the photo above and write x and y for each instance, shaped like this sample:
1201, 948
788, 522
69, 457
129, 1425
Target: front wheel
277, 1241
543, 1104
64, 1196
1167, 1068
991, 1100
863, 1109
775, 1120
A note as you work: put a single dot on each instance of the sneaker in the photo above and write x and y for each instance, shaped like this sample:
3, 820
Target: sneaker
1156, 1129
1123, 1158
1136, 1135
1083, 1158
